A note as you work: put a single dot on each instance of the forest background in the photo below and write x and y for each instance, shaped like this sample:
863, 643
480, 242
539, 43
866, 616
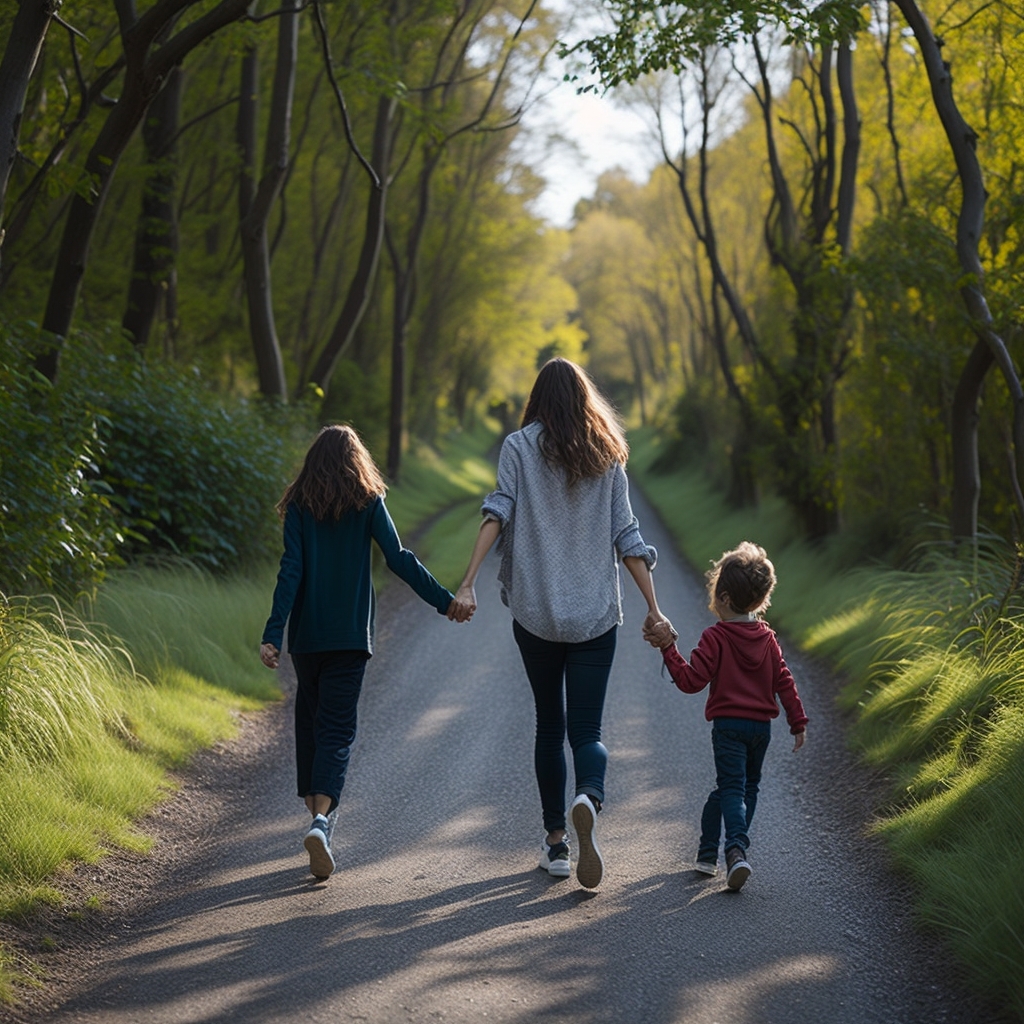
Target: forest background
225, 222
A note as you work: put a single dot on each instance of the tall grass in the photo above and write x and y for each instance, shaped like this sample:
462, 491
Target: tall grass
933, 657
179, 615
84, 744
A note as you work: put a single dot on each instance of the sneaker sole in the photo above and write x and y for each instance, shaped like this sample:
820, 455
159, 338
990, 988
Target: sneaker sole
590, 864
739, 874
321, 863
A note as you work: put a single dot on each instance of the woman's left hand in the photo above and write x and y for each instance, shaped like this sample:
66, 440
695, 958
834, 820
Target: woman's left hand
658, 631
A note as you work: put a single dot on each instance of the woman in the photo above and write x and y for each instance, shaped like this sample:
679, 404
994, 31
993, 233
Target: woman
561, 508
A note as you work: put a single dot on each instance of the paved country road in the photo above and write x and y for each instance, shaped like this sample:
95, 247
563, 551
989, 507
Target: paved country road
438, 912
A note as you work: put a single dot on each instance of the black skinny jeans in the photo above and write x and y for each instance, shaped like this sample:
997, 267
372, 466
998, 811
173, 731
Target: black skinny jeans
569, 683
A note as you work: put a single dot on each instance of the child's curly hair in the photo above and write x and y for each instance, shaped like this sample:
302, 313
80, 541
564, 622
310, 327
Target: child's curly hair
743, 578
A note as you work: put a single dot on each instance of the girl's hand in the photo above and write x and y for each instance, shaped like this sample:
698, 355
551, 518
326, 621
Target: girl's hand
459, 611
798, 740
465, 598
269, 655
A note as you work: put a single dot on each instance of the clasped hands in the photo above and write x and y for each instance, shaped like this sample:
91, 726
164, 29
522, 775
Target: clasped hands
462, 607
658, 631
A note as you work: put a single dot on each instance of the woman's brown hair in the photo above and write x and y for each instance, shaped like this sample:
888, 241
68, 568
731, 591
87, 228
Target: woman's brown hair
581, 431
339, 474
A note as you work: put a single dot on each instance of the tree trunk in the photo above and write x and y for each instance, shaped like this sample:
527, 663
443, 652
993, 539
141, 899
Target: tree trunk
405, 285
396, 410
144, 74
156, 238
23, 46
964, 418
361, 287
255, 203
970, 225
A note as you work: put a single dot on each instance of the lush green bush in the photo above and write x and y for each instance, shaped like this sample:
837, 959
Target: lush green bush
126, 456
192, 472
58, 527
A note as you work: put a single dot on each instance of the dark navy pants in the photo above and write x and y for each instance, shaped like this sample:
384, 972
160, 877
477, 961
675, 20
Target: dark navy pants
739, 745
569, 682
325, 718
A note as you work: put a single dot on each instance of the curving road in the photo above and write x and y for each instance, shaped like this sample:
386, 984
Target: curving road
438, 912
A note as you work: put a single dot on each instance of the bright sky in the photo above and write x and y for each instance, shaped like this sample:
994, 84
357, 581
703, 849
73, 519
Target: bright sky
573, 139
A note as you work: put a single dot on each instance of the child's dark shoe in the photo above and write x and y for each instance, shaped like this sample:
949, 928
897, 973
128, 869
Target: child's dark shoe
737, 870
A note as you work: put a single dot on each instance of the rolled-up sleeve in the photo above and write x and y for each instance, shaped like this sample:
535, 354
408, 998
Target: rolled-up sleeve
501, 502
625, 528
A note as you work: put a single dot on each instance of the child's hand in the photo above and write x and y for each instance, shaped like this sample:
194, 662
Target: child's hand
269, 655
460, 611
658, 631
462, 608
798, 740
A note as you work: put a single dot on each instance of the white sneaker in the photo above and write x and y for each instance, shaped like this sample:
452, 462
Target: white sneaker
318, 845
589, 864
554, 859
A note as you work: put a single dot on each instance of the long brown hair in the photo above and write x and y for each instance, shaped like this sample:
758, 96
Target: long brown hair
582, 434
339, 474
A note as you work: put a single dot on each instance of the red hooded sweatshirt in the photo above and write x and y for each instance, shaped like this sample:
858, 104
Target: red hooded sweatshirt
743, 662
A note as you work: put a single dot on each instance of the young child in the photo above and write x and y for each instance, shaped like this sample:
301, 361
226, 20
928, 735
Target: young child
331, 511
740, 657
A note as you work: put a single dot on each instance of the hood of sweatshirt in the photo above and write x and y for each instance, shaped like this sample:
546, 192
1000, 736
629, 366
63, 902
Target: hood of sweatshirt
749, 641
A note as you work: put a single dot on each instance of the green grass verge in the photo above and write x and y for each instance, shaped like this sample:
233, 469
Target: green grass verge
95, 708
934, 663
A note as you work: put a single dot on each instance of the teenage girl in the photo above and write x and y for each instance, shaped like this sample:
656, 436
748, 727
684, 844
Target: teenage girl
561, 508
331, 511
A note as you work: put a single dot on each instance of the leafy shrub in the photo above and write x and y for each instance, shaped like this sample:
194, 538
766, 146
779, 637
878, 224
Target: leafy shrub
58, 527
125, 457
193, 473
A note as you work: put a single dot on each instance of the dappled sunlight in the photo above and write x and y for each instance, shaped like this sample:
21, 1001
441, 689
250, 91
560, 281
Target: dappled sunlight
740, 998
433, 721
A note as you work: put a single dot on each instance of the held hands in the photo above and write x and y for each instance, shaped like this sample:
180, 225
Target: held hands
269, 655
658, 631
462, 608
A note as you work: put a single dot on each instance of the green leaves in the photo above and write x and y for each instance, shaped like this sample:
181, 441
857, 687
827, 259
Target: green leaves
126, 458
649, 36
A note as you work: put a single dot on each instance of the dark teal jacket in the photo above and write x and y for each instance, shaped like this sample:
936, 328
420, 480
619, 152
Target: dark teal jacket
325, 581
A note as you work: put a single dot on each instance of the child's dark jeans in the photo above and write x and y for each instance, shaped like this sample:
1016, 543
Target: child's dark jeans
739, 745
325, 718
